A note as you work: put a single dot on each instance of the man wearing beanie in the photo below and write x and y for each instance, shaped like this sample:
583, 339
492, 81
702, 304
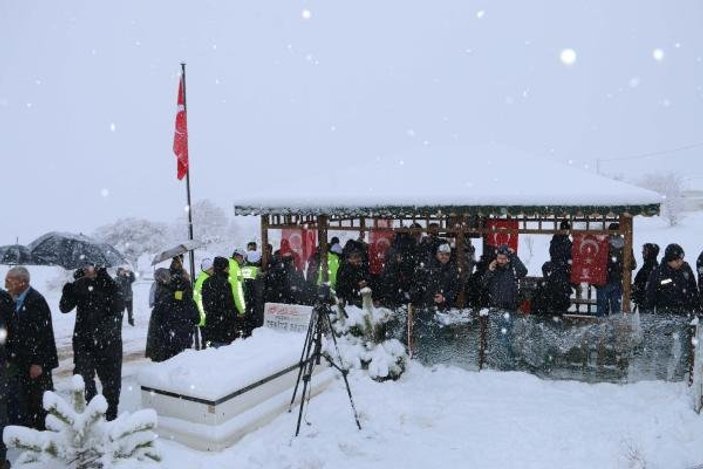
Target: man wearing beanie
671, 287
650, 252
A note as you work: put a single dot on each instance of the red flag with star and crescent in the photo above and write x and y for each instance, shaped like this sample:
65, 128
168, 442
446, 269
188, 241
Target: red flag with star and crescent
180, 137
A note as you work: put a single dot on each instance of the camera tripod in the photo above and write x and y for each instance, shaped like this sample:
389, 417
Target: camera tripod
312, 353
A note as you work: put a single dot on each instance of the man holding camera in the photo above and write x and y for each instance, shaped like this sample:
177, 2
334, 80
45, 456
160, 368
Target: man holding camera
97, 334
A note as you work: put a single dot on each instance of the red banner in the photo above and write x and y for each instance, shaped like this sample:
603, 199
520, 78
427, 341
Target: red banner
589, 259
505, 232
301, 242
380, 242
180, 137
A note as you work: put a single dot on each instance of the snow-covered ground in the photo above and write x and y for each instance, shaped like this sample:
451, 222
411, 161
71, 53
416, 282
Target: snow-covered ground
444, 416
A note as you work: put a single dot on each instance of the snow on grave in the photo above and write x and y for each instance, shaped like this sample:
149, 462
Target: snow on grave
211, 398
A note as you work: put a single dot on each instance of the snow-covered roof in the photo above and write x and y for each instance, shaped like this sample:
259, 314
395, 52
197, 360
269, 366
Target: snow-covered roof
484, 180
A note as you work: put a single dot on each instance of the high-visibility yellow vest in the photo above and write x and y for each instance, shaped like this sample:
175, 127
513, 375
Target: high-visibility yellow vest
198, 295
249, 272
235, 279
332, 268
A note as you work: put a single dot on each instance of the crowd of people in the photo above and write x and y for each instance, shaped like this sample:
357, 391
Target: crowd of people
226, 301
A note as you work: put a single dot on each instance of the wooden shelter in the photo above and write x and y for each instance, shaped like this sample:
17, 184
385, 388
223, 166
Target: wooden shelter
461, 190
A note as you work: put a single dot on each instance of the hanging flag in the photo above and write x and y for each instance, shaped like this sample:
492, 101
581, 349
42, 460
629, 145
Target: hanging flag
502, 232
380, 241
589, 259
180, 137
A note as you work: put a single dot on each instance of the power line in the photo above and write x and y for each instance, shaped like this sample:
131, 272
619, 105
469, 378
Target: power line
653, 153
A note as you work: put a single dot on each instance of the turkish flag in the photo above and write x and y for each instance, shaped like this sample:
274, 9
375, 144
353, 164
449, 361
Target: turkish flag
589, 259
294, 240
380, 242
180, 138
502, 232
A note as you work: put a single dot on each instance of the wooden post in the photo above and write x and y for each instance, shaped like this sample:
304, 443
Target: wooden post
264, 242
322, 225
461, 260
411, 327
627, 260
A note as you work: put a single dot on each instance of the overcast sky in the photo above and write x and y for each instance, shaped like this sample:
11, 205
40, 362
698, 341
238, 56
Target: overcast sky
290, 89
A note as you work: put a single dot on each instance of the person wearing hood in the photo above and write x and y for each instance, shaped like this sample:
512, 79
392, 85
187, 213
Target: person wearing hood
283, 282
671, 287
221, 314
160, 298
97, 335
650, 252
502, 279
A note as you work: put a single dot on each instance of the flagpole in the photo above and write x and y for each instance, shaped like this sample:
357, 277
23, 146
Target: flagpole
191, 255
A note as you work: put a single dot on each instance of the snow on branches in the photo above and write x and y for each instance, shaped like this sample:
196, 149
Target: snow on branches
77, 435
363, 343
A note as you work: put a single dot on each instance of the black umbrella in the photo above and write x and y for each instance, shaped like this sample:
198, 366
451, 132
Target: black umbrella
72, 251
15, 254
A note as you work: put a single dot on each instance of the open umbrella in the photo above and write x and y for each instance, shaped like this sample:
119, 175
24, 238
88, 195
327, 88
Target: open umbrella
72, 251
15, 254
176, 250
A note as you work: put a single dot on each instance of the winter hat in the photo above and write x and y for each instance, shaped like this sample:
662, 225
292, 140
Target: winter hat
503, 249
445, 248
220, 264
651, 250
239, 252
253, 257
206, 264
673, 252
336, 248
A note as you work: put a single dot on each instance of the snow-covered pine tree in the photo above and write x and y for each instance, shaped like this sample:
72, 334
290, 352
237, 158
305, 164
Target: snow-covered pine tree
79, 437
363, 343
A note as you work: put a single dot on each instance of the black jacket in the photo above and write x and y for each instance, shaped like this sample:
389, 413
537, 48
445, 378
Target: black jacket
30, 339
285, 284
639, 285
99, 305
672, 291
560, 249
348, 278
396, 282
125, 283
433, 278
553, 294
220, 311
616, 259
502, 284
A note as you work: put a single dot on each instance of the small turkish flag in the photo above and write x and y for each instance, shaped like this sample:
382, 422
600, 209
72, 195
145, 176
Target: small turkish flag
180, 138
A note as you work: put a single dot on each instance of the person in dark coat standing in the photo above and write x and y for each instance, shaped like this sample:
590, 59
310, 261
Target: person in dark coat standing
699, 269
125, 278
283, 282
352, 277
397, 279
553, 294
180, 313
159, 300
560, 246
97, 334
31, 350
437, 282
502, 277
650, 251
6, 311
671, 287
221, 318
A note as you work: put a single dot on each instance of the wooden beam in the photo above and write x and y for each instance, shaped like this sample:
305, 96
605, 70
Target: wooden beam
627, 262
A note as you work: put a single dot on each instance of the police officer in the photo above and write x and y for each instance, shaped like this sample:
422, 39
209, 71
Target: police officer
671, 287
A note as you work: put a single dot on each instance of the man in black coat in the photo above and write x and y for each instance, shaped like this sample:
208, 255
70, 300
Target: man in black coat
699, 268
218, 302
437, 281
97, 334
125, 278
31, 350
650, 251
352, 277
502, 277
671, 287
6, 310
